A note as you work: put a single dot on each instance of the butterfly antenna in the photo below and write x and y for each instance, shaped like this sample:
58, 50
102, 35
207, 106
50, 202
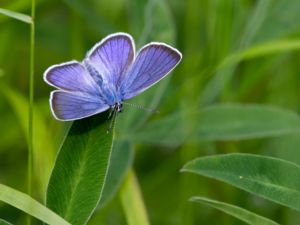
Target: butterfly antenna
140, 107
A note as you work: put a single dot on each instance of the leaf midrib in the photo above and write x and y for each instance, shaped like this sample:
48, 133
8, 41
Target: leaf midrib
68, 211
257, 181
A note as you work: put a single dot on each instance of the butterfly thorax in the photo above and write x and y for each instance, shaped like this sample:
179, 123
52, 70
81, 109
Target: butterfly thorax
118, 106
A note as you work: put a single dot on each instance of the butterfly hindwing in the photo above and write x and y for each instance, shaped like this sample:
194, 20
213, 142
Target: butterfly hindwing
75, 105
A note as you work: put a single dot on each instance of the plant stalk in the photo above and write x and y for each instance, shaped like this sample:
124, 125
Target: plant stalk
132, 201
30, 105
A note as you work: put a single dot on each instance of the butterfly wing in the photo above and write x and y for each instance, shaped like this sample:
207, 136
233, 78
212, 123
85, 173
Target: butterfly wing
153, 62
75, 105
111, 57
79, 95
70, 76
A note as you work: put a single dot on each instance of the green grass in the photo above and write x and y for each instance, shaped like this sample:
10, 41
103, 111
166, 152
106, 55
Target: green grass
236, 91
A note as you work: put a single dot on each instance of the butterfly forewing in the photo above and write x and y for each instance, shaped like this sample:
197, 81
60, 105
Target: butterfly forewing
71, 76
153, 62
112, 56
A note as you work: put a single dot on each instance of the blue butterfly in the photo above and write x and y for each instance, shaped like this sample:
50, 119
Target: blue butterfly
109, 75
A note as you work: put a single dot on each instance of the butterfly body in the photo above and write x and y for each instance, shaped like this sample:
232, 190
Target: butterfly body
109, 75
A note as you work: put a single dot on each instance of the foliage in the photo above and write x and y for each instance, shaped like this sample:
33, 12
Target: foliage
228, 112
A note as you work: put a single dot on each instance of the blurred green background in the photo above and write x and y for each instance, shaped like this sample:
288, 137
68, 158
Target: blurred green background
209, 33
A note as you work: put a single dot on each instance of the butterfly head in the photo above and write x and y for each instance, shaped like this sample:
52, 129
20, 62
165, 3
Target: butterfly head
118, 107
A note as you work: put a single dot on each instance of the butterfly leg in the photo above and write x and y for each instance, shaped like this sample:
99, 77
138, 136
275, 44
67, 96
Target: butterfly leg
113, 120
112, 109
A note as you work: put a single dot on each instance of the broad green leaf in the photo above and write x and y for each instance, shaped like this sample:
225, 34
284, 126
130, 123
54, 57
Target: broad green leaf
220, 122
121, 160
235, 211
3, 222
274, 179
29, 205
16, 15
79, 174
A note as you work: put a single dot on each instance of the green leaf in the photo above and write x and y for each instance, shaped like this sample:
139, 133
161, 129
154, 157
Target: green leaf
271, 178
3, 222
16, 15
29, 205
121, 160
220, 122
235, 211
77, 180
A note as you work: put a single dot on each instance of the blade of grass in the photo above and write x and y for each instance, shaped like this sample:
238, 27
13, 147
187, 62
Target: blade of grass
235, 211
18, 16
222, 77
29, 205
261, 50
3, 222
132, 201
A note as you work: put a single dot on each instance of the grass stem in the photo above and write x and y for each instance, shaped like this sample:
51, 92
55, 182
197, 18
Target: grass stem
30, 105
132, 202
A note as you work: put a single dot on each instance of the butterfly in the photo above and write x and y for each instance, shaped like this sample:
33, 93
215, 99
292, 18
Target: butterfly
110, 74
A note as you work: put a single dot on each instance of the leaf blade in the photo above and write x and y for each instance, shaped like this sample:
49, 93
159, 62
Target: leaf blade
235, 211
3, 222
18, 16
29, 205
77, 181
271, 178
220, 122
